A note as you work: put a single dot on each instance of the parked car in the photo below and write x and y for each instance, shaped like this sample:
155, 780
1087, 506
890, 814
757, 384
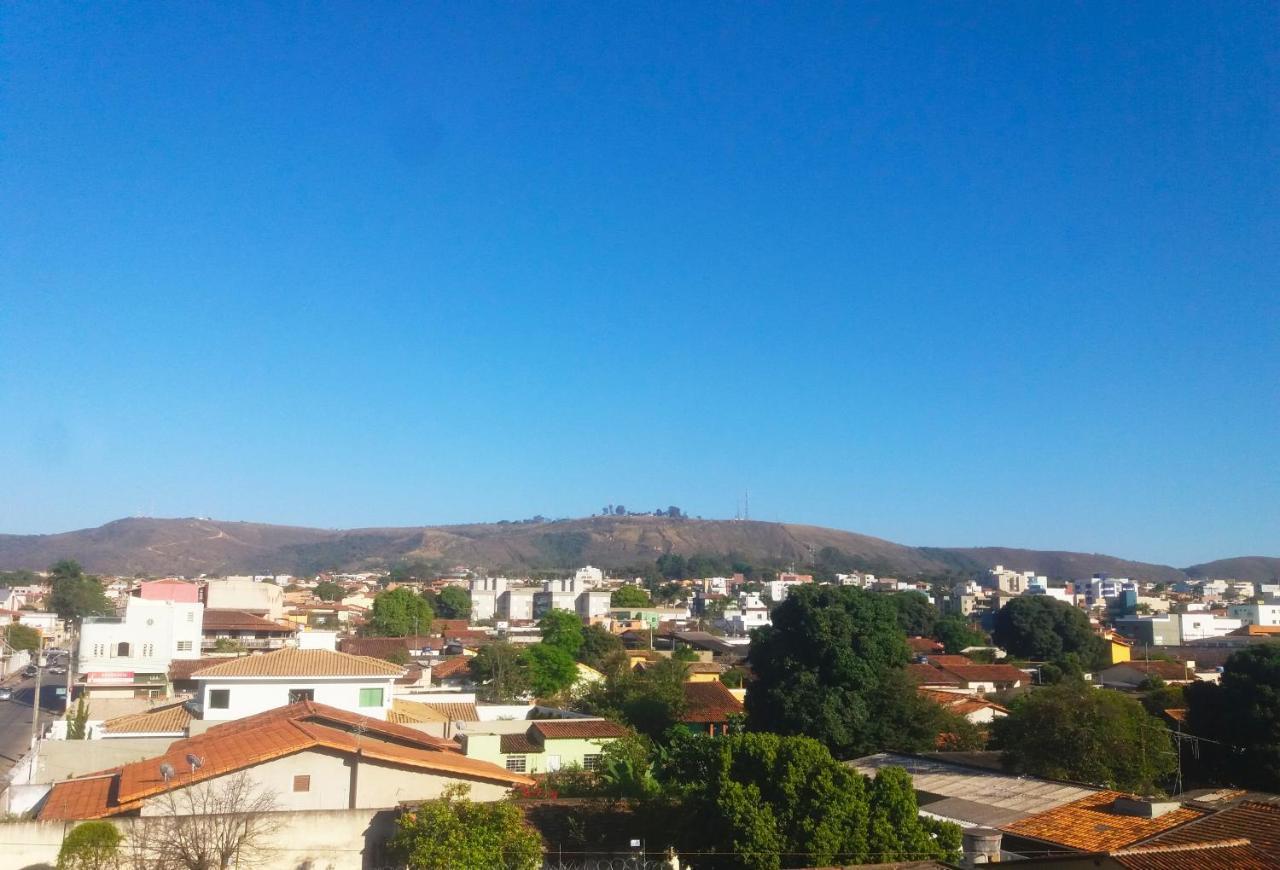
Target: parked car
6, 694
57, 669
29, 671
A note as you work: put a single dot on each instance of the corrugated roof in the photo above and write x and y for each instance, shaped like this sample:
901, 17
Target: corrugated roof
169, 719
556, 729
291, 662
1022, 795
1092, 825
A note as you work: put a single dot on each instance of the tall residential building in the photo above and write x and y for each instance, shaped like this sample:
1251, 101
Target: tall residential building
129, 656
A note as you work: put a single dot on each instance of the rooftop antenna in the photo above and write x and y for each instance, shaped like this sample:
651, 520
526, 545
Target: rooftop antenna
166, 771
195, 761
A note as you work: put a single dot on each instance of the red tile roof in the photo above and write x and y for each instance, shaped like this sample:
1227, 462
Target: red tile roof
923, 644
1090, 824
928, 675
559, 729
709, 702
169, 719
1238, 854
987, 673
451, 667
241, 620
256, 739
1256, 820
517, 743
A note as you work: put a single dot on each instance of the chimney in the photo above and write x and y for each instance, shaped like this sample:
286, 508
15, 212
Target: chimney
981, 846
1146, 808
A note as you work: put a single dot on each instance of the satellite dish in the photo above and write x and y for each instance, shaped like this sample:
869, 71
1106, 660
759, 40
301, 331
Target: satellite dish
166, 771
195, 761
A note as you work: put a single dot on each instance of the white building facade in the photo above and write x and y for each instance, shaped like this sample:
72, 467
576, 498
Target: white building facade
127, 656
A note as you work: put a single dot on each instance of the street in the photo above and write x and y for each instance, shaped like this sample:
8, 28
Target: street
15, 715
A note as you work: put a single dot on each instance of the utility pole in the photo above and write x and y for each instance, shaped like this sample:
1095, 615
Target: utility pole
35, 700
73, 660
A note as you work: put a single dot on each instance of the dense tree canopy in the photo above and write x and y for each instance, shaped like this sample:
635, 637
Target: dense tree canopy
550, 669
327, 590
500, 671
955, 633
1242, 713
629, 596
598, 646
651, 702
91, 845
1041, 628
916, 613
832, 667
399, 613
764, 801
22, 637
454, 833
75, 597
1078, 732
563, 629
453, 602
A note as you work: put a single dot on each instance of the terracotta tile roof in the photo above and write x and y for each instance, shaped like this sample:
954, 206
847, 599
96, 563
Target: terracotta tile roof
557, 729
291, 662
1091, 825
987, 673
378, 647
519, 743
89, 798
256, 739
923, 644
449, 627
240, 620
1256, 820
944, 660
452, 667
956, 703
182, 669
928, 675
169, 719
436, 711
709, 702
1238, 854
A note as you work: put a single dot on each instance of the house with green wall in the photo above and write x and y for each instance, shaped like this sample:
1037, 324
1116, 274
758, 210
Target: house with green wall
545, 746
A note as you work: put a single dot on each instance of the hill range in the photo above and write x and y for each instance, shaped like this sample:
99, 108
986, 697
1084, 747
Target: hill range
193, 546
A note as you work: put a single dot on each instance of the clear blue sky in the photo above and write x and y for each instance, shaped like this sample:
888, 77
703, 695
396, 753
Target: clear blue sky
957, 275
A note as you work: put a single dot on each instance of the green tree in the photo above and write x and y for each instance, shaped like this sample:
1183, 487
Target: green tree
453, 602
454, 833
78, 721
551, 670
399, 613
500, 671
228, 645
832, 666
629, 596
1242, 713
90, 846
74, 598
598, 644
1077, 732
916, 613
21, 636
563, 629
65, 569
1158, 697
766, 801
1041, 628
651, 702
327, 590
397, 655
955, 633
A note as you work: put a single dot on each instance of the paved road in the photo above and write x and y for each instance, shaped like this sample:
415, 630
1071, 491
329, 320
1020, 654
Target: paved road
15, 716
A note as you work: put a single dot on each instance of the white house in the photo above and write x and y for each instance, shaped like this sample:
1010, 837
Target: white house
1256, 613
249, 685
128, 656
588, 578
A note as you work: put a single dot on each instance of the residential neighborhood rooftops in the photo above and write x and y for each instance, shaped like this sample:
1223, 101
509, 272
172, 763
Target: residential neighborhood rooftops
290, 662
1093, 824
240, 620
458, 666
256, 739
1256, 820
709, 702
168, 719
972, 673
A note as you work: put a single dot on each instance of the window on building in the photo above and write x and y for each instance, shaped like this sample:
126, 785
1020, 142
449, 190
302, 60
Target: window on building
370, 697
302, 782
184, 646
220, 699
148, 650
191, 616
122, 649
591, 762
516, 763
296, 695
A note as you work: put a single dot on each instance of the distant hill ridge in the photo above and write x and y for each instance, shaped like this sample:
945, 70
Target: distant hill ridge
193, 546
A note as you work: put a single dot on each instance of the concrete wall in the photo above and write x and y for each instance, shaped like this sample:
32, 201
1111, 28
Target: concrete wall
249, 697
339, 840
